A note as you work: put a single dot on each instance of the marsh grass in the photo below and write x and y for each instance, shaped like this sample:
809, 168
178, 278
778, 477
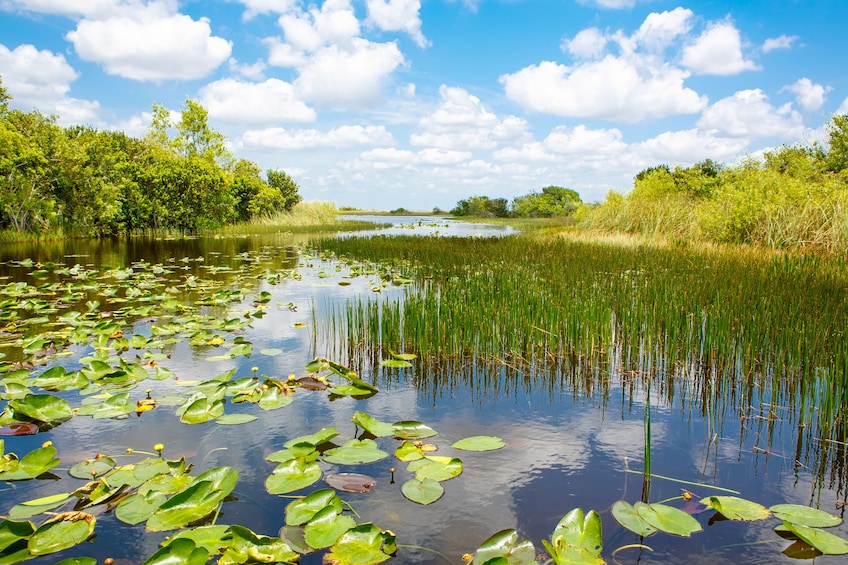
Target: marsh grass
714, 330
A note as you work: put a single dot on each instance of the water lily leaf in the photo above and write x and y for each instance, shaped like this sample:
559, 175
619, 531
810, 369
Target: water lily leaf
577, 539
33, 507
293, 536
248, 547
273, 399
352, 390
63, 531
507, 546
372, 425
423, 491
78, 561
18, 429
479, 443
210, 538
668, 519
91, 468
326, 527
366, 544
30, 466
404, 356
14, 391
408, 451
182, 551
355, 452
626, 515
234, 419
12, 531
409, 429
351, 482
42, 408
395, 363
436, 468
320, 437
826, 542
302, 510
805, 516
200, 498
241, 349
202, 410
137, 507
293, 475
115, 406
271, 351
734, 508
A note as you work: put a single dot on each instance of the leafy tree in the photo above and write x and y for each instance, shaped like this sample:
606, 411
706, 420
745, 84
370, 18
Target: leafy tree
281, 183
552, 201
196, 137
837, 154
482, 207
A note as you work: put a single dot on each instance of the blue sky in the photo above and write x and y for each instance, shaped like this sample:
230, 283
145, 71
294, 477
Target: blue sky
383, 104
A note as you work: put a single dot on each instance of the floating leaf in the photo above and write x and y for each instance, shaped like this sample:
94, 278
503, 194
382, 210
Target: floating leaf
91, 468
42, 408
273, 399
271, 351
61, 532
577, 539
37, 506
404, 356
805, 516
181, 551
233, 419
302, 510
668, 519
826, 542
408, 451
200, 498
508, 546
355, 452
409, 429
326, 527
320, 437
366, 544
422, 491
293, 475
395, 363
626, 515
248, 547
210, 538
372, 425
30, 466
18, 429
479, 443
202, 410
734, 508
436, 468
351, 482
12, 532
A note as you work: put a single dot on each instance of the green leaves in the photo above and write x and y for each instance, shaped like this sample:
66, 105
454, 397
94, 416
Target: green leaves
30, 466
293, 475
42, 408
734, 508
355, 452
577, 539
505, 548
479, 443
200, 498
423, 490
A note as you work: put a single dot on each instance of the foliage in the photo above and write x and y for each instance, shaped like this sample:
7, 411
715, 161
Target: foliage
552, 201
482, 207
794, 198
179, 176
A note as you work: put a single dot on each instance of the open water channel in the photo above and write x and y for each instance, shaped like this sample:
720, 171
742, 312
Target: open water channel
564, 449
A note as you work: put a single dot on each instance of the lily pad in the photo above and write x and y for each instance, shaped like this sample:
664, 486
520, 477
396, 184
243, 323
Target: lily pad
479, 443
326, 527
668, 519
181, 551
423, 491
271, 351
355, 452
202, 410
577, 539
366, 544
351, 482
302, 510
626, 515
409, 429
734, 508
372, 425
42, 408
91, 468
436, 468
826, 542
293, 475
63, 531
30, 466
248, 547
507, 546
200, 498
234, 419
805, 516
18, 429
37, 506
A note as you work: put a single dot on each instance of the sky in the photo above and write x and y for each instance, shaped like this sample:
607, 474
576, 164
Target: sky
417, 104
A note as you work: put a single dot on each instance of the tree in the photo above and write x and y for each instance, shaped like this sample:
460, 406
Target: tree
837, 154
482, 207
5, 98
196, 137
281, 183
552, 201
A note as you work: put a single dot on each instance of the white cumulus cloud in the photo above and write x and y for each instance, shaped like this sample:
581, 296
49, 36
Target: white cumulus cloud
398, 15
748, 114
810, 96
780, 42
717, 51
343, 136
237, 101
150, 43
589, 43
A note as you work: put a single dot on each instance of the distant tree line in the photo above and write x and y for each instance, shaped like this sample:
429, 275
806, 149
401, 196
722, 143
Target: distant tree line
795, 197
79, 180
551, 201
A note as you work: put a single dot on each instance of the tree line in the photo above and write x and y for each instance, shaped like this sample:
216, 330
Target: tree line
78, 180
551, 201
795, 197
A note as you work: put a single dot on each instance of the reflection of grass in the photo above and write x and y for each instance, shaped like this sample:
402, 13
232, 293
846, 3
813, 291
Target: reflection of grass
305, 217
717, 330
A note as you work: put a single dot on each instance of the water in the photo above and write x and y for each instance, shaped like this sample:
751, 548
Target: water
428, 225
567, 446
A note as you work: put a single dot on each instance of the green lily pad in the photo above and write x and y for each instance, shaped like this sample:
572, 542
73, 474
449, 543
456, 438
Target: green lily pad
272, 399
423, 491
668, 519
326, 527
395, 363
78, 561
577, 539
805, 516
479, 443
271, 351
12, 531
138, 507
734, 508
351, 482
408, 451
626, 515
507, 546
210, 538
33, 507
409, 429
91, 468
234, 419
30, 466
355, 452
181, 551
293, 475
200, 498
826, 542
248, 547
436, 468
320, 437
366, 544
302, 510
372, 425
65, 530
202, 410
42, 408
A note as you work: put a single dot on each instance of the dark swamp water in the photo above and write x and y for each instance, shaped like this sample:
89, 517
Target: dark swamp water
567, 446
